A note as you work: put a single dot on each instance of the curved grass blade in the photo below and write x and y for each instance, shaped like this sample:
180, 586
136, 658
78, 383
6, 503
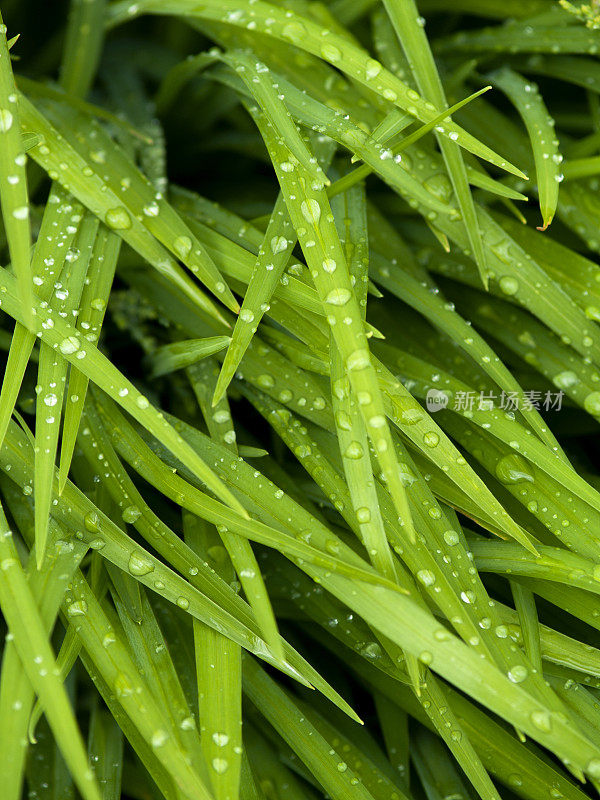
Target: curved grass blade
443, 315
171, 547
179, 355
59, 225
383, 135
256, 76
300, 733
76, 511
552, 564
536, 345
522, 38
150, 652
525, 605
16, 693
540, 127
350, 427
425, 434
518, 275
138, 196
304, 33
205, 507
93, 192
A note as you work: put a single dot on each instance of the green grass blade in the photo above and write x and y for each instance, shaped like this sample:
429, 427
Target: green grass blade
14, 197
52, 373
273, 256
220, 711
92, 308
338, 51
405, 19
310, 213
183, 354
544, 143
105, 748
83, 46
20, 610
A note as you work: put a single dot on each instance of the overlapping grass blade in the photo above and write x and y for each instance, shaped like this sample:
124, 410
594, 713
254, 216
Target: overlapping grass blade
20, 610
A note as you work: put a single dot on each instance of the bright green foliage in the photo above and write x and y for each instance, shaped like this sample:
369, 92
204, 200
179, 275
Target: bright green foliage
299, 483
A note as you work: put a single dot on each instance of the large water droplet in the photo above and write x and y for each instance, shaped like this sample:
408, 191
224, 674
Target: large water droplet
311, 211
69, 345
542, 720
565, 379
354, 450
372, 69
514, 469
118, 219
518, 673
331, 52
592, 403
509, 285
6, 120
78, 608
140, 564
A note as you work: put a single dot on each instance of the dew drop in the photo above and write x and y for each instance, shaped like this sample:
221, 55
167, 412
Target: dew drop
565, 379
338, 297
131, 514
182, 246
69, 345
372, 69
592, 403
6, 120
363, 515
513, 468
139, 564
278, 244
509, 285
518, 673
311, 211
118, 219
451, 538
426, 576
354, 451
541, 720
331, 52
431, 439
159, 737
77, 609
